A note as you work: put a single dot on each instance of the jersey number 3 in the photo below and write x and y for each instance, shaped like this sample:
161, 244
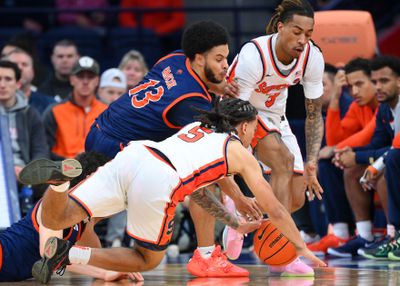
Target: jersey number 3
152, 92
195, 134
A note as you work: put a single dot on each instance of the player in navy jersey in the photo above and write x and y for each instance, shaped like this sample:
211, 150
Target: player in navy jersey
161, 104
22, 244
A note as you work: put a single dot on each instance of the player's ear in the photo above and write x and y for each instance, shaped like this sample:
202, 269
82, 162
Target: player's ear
280, 27
200, 60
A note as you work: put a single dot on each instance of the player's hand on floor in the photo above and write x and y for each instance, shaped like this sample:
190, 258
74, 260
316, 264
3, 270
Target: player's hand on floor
306, 253
135, 276
115, 276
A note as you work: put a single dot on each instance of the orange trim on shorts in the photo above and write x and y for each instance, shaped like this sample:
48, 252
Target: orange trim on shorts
261, 132
33, 216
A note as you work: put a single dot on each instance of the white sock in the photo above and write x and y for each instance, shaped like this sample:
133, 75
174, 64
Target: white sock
206, 252
79, 255
341, 230
391, 231
60, 188
364, 229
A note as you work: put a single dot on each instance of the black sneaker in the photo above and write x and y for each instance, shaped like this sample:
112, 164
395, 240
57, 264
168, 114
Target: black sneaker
55, 259
44, 171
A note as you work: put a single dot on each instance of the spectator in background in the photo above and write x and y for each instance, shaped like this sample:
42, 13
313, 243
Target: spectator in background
65, 54
167, 25
28, 139
134, 67
87, 19
112, 85
39, 101
27, 42
68, 122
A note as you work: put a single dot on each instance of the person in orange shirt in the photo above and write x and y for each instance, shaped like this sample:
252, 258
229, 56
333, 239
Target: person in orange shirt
356, 76
68, 122
167, 25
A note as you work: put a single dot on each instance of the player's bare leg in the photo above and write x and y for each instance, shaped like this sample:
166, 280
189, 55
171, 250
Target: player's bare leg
272, 151
204, 225
298, 193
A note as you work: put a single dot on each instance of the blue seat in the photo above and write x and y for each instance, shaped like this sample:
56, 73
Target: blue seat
7, 33
122, 40
89, 41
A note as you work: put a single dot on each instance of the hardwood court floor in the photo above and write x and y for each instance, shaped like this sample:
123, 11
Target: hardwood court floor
340, 272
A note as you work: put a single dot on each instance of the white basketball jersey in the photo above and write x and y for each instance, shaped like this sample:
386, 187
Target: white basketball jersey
198, 154
263, 83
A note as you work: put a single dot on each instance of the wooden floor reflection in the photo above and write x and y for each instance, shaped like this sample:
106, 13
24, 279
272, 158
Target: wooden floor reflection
344, 272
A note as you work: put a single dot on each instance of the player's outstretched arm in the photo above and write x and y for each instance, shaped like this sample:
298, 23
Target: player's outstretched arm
206, 199
314, 132
243, 162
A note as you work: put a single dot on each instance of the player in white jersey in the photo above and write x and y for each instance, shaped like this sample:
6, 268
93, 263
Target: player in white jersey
264, 69
149, 179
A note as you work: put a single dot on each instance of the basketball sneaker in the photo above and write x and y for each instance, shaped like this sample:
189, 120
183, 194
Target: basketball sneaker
296, 268
44, 171
380, 249
328, 241
55, 258
351, 247
232, 241
215, 266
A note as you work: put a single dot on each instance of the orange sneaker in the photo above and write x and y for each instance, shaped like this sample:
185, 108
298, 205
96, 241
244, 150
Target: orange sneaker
328, 241
215, 266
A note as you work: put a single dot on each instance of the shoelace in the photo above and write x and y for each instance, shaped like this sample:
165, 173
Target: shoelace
61, 271
222, 261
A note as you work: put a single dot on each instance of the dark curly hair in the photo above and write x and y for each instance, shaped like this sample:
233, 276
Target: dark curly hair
285, 11
226, 114
386, 61
358, 64
202, 37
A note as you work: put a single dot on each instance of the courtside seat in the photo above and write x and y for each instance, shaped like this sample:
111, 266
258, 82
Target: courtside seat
344, 35
122, 40
89, 41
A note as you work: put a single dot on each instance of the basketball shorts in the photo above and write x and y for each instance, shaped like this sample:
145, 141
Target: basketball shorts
139, 182
267, 124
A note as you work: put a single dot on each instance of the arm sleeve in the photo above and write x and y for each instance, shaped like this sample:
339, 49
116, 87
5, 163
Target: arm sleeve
37, 136
248, 70
338, 130
312, 80
184, 112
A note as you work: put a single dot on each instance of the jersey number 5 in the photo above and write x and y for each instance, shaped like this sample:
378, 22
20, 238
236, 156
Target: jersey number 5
195, 134
152, 92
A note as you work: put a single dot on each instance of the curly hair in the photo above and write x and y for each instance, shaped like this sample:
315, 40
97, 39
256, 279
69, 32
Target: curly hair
202, 37
226, 114
285, 11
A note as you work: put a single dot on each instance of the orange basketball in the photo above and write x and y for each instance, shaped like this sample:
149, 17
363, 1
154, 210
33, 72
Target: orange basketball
272, 247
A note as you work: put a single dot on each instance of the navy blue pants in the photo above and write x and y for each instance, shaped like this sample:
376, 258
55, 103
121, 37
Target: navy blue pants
392, 176
334, 197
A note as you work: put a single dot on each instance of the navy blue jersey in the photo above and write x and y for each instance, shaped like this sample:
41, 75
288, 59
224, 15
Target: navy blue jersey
19, 246
157, 107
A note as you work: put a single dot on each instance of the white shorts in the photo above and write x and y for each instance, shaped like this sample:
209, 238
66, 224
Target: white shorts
141, 183
274, 123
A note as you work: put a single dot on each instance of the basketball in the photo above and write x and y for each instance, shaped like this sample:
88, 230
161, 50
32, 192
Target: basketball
272, 247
